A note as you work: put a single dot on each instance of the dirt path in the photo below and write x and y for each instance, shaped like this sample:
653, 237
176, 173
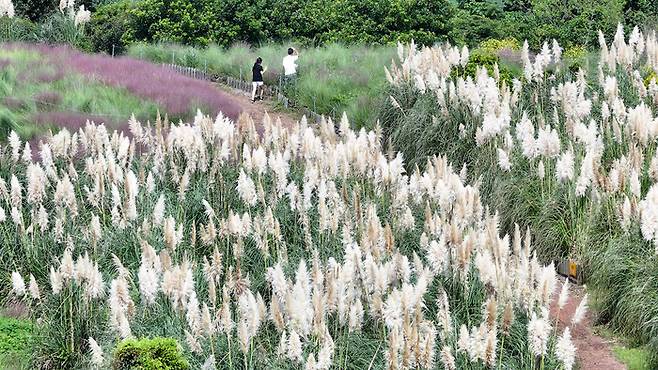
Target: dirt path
592, 351
258, 109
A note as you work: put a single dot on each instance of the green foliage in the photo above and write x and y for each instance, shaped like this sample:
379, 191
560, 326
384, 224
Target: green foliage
149, 354
110, 26
36, 10
488, 59
17, 29
633, 358
576, 22
495, 45
575, 57
476, 20
15, 337
309, 21
60, 29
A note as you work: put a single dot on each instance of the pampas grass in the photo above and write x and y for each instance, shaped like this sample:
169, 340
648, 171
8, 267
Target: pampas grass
298, 248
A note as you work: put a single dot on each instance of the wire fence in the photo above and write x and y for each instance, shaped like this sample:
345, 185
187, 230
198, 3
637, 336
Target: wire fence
271, 92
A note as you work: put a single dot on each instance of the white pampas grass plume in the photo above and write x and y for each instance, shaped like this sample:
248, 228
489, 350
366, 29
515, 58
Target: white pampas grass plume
96, 353
282, 349
15, 144
447, 358
247, 189
356, 316
464, 341
148, 282
579, 314
7, 8
16, 192
565, 350
18, 284
191, 341
209, 364
82, 16
503, 160
564, 167
295, 347
95, 228
55, 281
539, 330
159, 210
27, 153
311, 364
564, 294
35, 293
541, 172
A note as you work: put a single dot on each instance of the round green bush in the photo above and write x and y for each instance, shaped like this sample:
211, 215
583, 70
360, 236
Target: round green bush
149, 354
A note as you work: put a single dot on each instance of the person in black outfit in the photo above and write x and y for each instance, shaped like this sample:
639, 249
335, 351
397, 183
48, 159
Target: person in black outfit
257, 79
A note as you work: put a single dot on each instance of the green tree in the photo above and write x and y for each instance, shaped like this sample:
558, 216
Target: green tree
181, 21
477, 20
110, 27
643, 13
576, 22
36, 10
425, 21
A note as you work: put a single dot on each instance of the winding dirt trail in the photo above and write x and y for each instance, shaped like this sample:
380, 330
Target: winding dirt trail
592, 351
258, 109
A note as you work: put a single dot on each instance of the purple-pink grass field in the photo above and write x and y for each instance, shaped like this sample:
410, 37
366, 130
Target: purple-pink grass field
178, 94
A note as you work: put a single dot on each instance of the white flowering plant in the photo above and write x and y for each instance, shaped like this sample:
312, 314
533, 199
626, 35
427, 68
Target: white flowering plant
293, 247
569, 154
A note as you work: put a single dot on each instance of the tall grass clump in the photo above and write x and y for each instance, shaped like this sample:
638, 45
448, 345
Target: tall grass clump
331, 79
290, 248
566, 151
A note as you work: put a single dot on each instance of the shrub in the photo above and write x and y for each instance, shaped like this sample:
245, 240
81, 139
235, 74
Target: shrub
110, 28
575, 57
488, 59
17, 29
149, 354
495, 45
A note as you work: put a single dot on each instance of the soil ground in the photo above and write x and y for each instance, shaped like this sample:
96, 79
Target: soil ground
593, 352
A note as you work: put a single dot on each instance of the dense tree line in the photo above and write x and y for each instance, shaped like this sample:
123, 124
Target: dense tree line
314, 22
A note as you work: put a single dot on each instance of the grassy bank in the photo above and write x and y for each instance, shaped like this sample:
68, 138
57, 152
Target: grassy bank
37, 95
332, 79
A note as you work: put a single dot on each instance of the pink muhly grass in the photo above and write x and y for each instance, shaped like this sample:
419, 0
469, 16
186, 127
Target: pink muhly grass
48, 99
71, 120
180, 95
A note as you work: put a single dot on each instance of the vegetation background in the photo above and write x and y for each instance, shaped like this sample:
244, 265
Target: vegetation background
348, 43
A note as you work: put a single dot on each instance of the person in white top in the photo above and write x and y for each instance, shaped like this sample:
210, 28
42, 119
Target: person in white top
290, 63
289, 71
